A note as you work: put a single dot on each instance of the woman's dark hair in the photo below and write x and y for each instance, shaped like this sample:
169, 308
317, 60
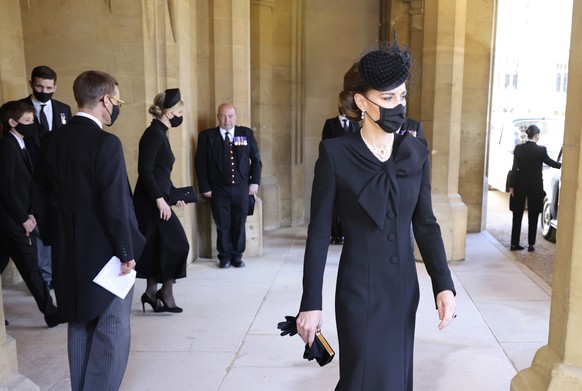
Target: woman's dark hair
353, 84
12, 110
532, 131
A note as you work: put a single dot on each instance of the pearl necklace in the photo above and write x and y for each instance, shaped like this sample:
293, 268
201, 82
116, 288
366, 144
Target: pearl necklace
383, 153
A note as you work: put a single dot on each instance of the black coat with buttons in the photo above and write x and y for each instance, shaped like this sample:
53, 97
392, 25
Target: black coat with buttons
377, 289
83, 168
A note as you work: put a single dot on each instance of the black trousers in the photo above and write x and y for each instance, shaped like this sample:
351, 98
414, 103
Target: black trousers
230, 204
531, 229
22, 250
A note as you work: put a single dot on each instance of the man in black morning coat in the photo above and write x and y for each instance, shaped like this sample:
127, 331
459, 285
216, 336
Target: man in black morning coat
336, 127
84, 168
49, 114
228, 167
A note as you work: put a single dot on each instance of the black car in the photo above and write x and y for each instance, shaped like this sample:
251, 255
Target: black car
552, 183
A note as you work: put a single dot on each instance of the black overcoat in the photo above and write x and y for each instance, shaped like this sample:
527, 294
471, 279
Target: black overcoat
83, 167
377, 289
334, 128
526, 177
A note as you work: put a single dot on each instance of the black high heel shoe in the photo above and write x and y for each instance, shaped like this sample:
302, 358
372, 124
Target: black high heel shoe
167, 308
146, 299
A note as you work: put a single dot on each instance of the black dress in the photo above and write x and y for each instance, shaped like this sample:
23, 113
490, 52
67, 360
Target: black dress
166, 251
377, 289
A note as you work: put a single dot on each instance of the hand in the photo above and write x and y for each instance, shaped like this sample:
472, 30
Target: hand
253, 189
165, 210
446, 306
208, 194
308, 322
31, 217
180, 204
127, 267
29, 225
511, 192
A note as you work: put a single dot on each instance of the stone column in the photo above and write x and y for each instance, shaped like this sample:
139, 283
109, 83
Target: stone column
557, 366
477, 78
12, 86
261, 105
442, 95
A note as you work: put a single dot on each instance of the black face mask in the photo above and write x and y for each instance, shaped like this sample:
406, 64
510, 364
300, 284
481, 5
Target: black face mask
175, 121
42, 96
26, 130
390, 119
114, 113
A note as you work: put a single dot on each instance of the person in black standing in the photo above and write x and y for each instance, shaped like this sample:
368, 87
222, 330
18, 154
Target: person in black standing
17, 217
166, 252
526, 184
337, 127
82, 166
380, 182
228, 167
49, 114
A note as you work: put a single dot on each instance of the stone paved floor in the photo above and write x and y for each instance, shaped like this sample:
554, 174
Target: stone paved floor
226, 339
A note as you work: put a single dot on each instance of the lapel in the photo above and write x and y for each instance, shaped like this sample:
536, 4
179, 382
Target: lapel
22, 154
216, 140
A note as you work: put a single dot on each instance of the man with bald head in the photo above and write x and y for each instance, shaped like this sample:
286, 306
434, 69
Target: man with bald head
228, 167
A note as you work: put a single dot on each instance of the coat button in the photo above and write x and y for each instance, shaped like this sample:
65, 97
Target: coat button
391, 237
391, 215
393, 260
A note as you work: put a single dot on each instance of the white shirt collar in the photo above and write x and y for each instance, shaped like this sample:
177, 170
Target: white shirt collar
87, 115
20, 141
38, 103
231, 132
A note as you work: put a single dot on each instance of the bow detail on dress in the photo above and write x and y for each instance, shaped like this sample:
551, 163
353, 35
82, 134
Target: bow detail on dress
379, 196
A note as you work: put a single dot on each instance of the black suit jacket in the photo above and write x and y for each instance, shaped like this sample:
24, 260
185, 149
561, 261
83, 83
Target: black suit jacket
526, 176
334, 128
411, 126
84, 168
61, 115
208, 159
15, 181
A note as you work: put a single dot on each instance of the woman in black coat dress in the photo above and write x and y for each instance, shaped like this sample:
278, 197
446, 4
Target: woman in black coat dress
164, 257
526, 183
379, 181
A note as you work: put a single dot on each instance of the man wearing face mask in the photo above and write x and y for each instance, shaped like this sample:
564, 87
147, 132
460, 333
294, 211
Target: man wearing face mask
49, 114
83, 167
17, 218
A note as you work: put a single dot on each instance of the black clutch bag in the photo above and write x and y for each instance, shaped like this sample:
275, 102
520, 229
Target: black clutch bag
185, 194
251, 205
320, 350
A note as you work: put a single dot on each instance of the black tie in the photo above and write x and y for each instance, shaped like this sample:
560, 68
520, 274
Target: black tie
346, 126
27, 158
44, 126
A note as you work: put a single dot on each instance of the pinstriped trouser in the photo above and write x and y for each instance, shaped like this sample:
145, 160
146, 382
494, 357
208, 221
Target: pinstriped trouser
99, 349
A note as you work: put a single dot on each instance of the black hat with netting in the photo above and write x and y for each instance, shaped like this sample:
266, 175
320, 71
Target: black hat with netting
386, 68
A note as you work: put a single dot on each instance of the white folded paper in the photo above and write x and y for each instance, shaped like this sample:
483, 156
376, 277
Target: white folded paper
110, 279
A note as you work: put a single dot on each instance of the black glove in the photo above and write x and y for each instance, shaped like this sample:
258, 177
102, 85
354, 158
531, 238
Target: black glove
289, 326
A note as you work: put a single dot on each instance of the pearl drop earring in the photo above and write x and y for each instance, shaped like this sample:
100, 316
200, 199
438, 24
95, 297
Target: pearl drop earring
363, 113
